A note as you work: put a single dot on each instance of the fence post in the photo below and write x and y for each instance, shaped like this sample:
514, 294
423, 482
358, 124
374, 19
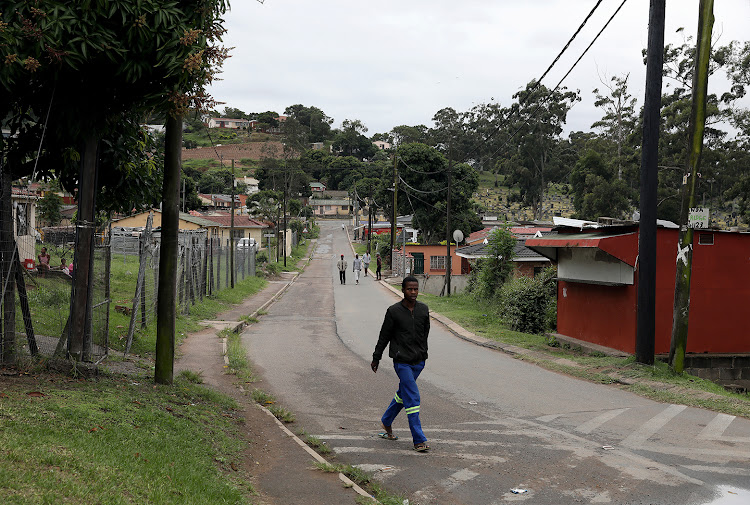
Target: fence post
252, 262
229, 244
211, 266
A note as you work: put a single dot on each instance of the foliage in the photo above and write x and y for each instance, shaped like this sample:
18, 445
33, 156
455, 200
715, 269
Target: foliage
317, 123
351, 141
526, 304
49, 209
492, 272
423, 192
596, 189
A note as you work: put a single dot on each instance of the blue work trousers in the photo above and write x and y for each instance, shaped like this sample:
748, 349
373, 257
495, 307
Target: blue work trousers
407, 397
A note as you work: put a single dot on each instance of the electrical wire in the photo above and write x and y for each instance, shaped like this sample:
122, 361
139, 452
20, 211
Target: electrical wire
420, 191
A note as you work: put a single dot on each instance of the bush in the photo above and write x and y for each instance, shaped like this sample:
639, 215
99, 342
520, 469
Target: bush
530, 305
261, 257
273, 268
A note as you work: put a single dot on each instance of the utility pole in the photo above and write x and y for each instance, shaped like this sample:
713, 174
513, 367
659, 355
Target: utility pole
646, 311
286, 176
231, 232
448, 234
681, 309
395, 201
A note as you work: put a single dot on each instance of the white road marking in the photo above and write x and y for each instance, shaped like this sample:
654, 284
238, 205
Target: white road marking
599, 420
715, 429
480, 458
636, 439
458, 478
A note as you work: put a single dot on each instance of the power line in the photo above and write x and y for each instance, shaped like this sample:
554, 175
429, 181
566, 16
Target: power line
420, 191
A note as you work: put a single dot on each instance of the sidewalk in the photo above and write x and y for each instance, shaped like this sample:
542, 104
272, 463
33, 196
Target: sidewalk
280, 469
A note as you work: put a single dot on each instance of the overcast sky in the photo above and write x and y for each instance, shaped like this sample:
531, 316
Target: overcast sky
397, 62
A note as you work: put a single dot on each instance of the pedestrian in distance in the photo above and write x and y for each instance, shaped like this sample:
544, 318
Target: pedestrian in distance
378, 266
405, 330
357, 267
342, 266
366, 261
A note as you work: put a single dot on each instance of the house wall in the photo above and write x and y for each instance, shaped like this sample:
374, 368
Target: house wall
436, 250
526, 268
139, 221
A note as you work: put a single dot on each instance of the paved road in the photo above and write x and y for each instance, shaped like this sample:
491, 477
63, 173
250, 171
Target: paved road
495, 423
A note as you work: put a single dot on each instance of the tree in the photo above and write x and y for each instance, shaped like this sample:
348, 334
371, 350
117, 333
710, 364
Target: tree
267, 120
234, 113
619, 118
110, 64
351, 141
49, 209
490, 273
596, 190
404, 134
539, 117
423, 192
317, 122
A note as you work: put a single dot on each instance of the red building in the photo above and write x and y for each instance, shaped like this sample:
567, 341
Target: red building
598, 283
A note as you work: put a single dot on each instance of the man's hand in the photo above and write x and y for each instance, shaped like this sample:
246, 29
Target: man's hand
374, 366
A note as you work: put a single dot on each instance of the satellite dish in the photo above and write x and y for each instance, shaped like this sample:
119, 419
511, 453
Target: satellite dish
458, 236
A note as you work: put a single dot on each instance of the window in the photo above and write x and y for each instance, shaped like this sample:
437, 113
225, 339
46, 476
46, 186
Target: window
437, 262
538, 270
706, 238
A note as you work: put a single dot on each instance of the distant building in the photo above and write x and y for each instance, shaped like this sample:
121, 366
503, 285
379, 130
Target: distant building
382, 145
223, 122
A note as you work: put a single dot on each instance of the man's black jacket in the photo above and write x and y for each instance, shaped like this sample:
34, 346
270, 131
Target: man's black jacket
406, 331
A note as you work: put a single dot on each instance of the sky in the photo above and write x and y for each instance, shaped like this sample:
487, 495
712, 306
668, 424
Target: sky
397, 62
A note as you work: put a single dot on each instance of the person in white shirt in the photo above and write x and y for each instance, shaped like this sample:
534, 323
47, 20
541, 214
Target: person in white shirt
357, 267
366, 261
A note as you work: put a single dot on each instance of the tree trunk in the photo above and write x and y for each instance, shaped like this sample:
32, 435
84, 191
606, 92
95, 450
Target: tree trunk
79, 303
681, 310
166, 307
7, 263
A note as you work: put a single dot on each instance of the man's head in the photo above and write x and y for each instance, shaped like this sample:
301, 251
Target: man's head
342, 256
44, 250
410, 288
356, 255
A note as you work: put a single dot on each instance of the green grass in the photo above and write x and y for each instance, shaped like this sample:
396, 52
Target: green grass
118, 442
658, 382
269, 402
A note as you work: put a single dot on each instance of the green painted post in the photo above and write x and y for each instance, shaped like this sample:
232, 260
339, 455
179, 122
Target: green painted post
681, 310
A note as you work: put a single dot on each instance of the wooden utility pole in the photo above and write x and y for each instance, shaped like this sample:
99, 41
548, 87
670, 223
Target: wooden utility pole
681, 310
80, 297
448, 234
395, 201
231, 232
8, 348
646, 313
170, 229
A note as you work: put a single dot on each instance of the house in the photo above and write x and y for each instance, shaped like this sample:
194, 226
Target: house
251, 184
526, 262
597, 288
24, 205
221, 202
317, 187
332, 207
382, 145
186, 222
225, 122
244, 226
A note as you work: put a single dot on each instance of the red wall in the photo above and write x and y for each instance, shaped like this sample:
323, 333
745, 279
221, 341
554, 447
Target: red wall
720, 291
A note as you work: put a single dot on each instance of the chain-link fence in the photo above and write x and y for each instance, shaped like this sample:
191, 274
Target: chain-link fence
37, 271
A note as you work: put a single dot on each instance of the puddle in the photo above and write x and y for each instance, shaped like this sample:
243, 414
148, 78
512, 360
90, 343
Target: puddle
731, 496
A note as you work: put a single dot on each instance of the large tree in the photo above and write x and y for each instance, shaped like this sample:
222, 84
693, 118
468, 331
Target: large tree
423, 191
316, 122
538, 117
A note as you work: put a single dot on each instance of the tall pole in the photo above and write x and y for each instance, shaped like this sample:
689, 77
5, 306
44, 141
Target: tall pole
395, 201
646, 313
286, 175
681, 309
231, 233
448, 225
166, 306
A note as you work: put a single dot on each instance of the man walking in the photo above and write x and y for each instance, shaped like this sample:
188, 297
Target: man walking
356, 267
341, 265
405, 330
378, 266
366, 261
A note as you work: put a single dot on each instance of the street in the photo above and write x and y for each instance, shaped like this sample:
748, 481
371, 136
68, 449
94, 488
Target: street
495, 423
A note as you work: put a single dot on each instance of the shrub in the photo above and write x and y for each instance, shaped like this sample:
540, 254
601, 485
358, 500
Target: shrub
273, 268
530, 305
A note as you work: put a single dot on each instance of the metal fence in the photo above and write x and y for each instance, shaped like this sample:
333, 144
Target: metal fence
36, 301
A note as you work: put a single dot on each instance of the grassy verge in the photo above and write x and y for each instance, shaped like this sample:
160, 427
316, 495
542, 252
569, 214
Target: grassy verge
657, 382
115, 441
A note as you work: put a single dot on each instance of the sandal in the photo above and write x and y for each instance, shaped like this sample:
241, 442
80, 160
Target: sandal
422, 447
388, 436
